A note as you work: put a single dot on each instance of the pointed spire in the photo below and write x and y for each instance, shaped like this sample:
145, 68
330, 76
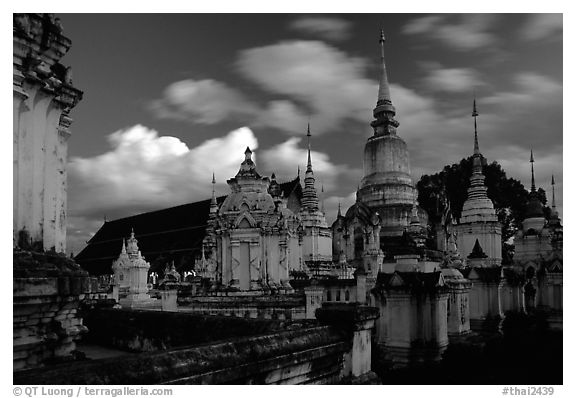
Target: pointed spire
247, 154
213, 202
339, 210
384, 86
533, 185
474, 115
322, 196
309, 195
553, 193
298, 171
309, 165
123, 246
384, 112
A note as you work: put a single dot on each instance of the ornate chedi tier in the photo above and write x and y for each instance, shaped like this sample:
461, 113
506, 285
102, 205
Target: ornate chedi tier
387, 186
478, 207
479, 221
317, 240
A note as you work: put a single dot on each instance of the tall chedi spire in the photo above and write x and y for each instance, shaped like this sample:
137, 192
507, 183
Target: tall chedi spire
477, 206
478, 224
213, 202
534, 208
384, 112
317, 238
309, 195
386, 186
554, 216
475, 115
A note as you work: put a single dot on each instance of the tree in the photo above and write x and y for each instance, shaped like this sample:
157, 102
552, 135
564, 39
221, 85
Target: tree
448, 189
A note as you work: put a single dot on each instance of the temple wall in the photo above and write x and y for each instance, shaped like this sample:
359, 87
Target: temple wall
489, 236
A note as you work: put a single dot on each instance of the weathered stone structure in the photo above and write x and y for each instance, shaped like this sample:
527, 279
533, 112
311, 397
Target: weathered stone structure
479, 220
386, 195
485, 296
47, 287
43, 97
413, 325
176, 348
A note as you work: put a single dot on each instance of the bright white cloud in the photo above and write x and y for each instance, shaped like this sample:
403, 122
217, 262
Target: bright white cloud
329, 28
542, 26
470, 32
145, 171
203, 101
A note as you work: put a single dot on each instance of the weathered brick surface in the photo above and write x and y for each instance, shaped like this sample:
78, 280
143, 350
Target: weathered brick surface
47, 289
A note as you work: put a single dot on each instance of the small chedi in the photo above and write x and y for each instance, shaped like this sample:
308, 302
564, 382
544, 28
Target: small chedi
131, 274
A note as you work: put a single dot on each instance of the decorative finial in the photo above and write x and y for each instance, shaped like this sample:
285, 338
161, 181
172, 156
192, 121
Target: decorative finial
384, 88
132, 233
309, 165
339, 210
474, 115
248, 153
553, 193
533, 185
123, 246
213, 200
298, 170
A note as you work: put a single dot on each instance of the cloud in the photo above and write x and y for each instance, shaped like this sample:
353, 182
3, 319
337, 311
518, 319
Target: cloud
298, 70
542, 26
284, 159
145, 171
469, 32
329, 28
454, 80
204, 102
284, 115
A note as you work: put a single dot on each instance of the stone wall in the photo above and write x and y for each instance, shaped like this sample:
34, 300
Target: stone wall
208, 350
47, 289
140, 330
284, 306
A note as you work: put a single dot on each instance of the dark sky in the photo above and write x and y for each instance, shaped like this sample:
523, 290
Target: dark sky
170, 98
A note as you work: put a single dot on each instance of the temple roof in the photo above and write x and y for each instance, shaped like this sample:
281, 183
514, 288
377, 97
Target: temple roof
176, 231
